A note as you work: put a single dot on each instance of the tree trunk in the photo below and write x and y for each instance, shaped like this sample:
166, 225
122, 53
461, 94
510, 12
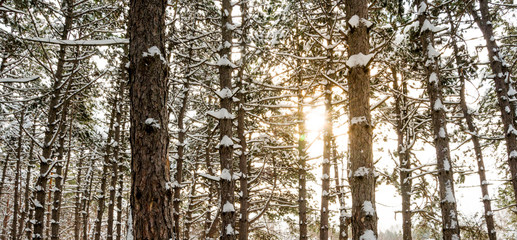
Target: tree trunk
151, 193
52, 130
243, 157
344, 218
77, 210
14, 228
116, 158
225, 126
27, 208
460, 64
105, 169
450, 226
503, 85
362, 178
403, 154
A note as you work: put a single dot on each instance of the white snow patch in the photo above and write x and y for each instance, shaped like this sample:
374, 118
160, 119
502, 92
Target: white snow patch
355, 21
368, 208
449, 195
225, 174
229, 230
437, 106
513, 154
433, 78
442, 132
368, 235
358, 120
228, 207
226, 141
154, 51
361, 172
446, 165
511, 91
359, 60
153, 123
223, 61
221, 114
428, 26
224, 93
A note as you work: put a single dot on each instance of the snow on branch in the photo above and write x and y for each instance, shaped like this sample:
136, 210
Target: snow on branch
18, 80
104, 42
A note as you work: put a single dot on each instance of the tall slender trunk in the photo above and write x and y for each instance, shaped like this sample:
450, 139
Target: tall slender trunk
14, 228
59, 179
302, 151
52, 130
225, 125
505, 87
241, 127
362, 178
23, 224
450, 226
4, 172
78, 194
460, 64
403, 154
151, 193
340, 191
101, 206
182, 133
85, 208
191, 204
115, 160
327, 128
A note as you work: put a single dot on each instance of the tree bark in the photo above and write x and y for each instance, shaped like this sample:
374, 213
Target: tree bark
403, 146
503, 85
243, 157
362, 178
225, 127
461, 66
52, 129
450, 226
23, 224
151, 193
14, 228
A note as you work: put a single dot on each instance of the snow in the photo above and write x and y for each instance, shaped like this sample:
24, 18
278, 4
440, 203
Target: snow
221, 114
18, 80
208, 176
129, 235
511, 91
513, 154
446, 165
368, 235
153, 123
511, 130
356, 20
325, 176
104, 42
431, 52
226, 141
325, 193
422, 8
433, 78
449, 195
154, 51
358, 60
225, 174
455, 237
486, 197
361, 172
228, 207
442, 132
223, 61
229, 230
358, 120
437, 106
368, 208
428, 26
224, 93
